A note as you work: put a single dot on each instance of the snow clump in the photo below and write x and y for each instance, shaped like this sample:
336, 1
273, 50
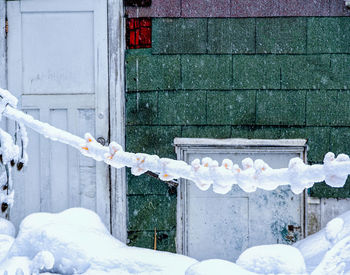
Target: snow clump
272, 259
216, 266
7, 228
80, 244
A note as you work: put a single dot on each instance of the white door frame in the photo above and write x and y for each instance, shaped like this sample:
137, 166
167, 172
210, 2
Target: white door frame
116, 47
184, 146
3, 59
116, 51
3, 64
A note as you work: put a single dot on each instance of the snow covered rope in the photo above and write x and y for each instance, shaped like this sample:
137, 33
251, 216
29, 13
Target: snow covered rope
204, 173
10, 153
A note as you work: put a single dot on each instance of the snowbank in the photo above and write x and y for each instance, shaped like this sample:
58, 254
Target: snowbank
5, 245
7, 228
273, 259
315, 247
79, 242
216, 266
75, 241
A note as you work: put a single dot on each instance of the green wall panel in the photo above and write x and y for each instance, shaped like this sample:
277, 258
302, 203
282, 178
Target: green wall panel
343, 116
281, 35
306, 72
165, 239
318, 142
328, 35
206, 131
321, 107
231, 107
152, 72
146, 185
280, 107
182, 108
142, 108
340, 72
256, 72
231, 35
178, 35
147, 212
156, 140
207, 72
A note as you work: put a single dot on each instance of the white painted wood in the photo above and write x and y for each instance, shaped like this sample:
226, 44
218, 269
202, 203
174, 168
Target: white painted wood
3, 54
14, 42
331, 208
57, 6
211, 225
238, 142
29, 194
322, 210
73, 159
58, 67
3, 77
116, 27
102, 111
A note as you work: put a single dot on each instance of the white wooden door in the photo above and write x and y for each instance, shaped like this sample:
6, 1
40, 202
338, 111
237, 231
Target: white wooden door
211, 225
58, 68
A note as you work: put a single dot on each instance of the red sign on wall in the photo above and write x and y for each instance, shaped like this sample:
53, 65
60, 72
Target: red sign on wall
139, 33
138, 3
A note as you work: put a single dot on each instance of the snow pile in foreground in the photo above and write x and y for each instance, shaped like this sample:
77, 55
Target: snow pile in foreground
7, 228
275, 259
75, 241
215, 266
328, 251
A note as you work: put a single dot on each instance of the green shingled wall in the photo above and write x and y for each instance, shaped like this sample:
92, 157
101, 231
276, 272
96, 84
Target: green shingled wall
233, 78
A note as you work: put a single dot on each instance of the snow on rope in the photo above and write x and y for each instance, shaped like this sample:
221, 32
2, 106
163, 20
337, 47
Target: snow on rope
10, 153
204, 173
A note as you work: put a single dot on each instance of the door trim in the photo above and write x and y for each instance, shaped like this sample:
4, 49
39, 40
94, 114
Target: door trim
116, 47
3, 64
184, 146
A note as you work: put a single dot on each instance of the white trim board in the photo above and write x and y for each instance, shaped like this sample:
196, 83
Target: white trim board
3, 63
116, 45
239, 142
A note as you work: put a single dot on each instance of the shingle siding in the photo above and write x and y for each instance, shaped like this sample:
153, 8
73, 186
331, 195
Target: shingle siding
233, 78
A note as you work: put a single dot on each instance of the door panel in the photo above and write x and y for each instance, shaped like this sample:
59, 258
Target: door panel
58, 68
66, 40
223, 226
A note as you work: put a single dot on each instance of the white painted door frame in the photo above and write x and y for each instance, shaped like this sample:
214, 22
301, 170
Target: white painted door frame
3, 61
116, 85
3, 66
116, 45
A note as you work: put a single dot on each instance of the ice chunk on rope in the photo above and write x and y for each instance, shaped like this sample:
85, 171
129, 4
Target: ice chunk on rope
6, 99
204, 173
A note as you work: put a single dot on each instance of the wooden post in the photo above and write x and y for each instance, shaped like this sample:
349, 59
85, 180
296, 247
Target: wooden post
116, 35
3, 63
3, 69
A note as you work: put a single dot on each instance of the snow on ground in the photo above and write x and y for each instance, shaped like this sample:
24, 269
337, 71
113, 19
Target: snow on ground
80, 243
7, 228
6, 242
75, 241
216, 266
327, 240
275, 259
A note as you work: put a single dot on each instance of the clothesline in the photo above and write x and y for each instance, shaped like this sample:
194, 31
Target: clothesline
204, 173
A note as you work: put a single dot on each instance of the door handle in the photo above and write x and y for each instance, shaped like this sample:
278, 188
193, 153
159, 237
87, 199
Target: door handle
101, 140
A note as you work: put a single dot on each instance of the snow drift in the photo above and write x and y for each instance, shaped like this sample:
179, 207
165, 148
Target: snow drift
328, 247
79, 243
75, 241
